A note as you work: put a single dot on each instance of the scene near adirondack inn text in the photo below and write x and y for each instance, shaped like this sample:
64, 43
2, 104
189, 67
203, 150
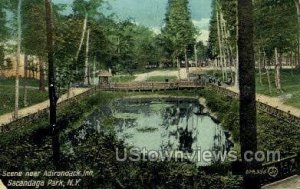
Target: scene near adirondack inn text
150, 94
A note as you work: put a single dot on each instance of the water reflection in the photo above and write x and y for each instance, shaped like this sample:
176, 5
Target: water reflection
165, 125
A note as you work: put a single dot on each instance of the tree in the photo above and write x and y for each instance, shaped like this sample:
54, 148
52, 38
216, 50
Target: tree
52, 83
297, 4
223, 36
179, 31
3, 28
248, 133
276, 33
17, 87
201, 52
88, 8
34, 38
86, 67
67, 35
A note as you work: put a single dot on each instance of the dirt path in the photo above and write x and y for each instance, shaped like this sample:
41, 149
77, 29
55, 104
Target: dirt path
182, 74
273, 101
289, 183
7, 118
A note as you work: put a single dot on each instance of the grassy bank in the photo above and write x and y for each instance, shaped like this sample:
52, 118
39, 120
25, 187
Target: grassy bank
123, 78
161, 78
7, 98
290, 81
12, 82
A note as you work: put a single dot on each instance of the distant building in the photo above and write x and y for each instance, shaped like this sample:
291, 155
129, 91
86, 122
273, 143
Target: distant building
31, 70
104, 77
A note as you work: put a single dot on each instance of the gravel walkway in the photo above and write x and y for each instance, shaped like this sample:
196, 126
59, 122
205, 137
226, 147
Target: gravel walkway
7, 118
273, 101
289, 183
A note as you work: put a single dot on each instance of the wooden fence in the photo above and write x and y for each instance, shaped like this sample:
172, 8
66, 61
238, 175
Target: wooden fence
151, 86
278, 170
273, 111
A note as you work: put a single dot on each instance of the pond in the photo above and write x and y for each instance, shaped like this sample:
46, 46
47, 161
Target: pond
164, 125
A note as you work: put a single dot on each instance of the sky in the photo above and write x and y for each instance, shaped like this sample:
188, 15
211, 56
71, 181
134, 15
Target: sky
151, 13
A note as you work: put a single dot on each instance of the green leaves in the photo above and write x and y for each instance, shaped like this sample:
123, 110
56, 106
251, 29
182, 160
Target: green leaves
89, 7
179, 31
34, 28
276, 26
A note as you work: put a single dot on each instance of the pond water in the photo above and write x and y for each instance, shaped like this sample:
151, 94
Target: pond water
165, 125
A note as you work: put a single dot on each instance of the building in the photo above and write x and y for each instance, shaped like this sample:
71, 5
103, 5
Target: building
104, 77
30, 70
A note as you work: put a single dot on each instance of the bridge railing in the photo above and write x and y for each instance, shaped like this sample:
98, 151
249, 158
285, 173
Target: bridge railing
142, 86
281, 169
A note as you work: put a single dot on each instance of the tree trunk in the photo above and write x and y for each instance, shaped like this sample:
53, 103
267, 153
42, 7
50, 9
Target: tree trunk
186, 64
178, 66
220, 44
277, 71
25, 66
16, 113
80, 45
237, 54
268, 73
259, 68
291, 64
269, 80
196, 55
25, 80
297, 3
94, 71
86, 65
248, 133
52, 84
224, 42
42, 75
82, 35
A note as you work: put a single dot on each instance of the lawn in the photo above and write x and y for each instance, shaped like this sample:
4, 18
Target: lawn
123, 78
7, 94
290, 82
161, 78
12, 82
141, 71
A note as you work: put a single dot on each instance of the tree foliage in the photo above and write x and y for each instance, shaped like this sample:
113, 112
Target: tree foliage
179, 32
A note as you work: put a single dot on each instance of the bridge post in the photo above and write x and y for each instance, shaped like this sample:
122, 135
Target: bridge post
152, 84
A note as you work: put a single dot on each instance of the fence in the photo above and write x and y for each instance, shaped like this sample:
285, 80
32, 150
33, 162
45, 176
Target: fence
150, 86
285, 116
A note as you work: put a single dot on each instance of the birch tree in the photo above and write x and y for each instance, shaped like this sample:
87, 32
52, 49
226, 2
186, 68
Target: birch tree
220, 44
88, 8
17, 87
86, 66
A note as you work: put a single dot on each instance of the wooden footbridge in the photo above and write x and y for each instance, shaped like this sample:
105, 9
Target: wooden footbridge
151, 86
